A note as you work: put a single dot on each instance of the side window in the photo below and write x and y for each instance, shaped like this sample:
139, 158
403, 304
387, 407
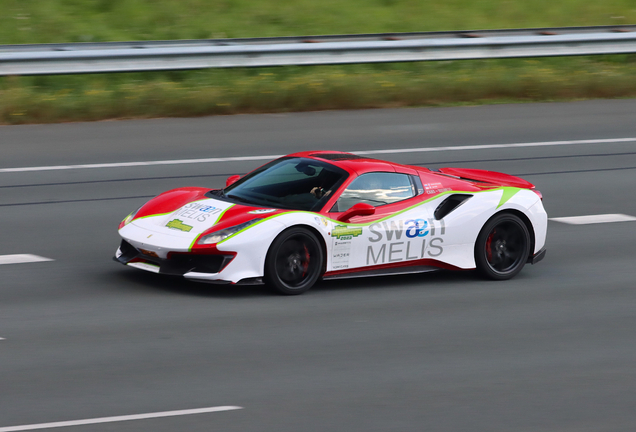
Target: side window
377, 189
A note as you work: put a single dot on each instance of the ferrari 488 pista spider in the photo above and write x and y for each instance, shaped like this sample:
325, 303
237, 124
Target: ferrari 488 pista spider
336, 215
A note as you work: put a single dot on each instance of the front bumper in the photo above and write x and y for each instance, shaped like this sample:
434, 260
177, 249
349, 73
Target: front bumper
177, 264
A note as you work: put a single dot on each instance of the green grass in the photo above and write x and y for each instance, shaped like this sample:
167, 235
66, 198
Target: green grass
193, 93
23, 21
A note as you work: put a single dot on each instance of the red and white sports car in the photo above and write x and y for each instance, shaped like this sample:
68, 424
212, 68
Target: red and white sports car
336, 215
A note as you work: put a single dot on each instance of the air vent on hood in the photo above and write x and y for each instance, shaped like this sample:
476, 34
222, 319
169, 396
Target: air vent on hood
450, 204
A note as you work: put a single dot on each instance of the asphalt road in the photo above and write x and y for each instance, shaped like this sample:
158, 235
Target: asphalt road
552, 350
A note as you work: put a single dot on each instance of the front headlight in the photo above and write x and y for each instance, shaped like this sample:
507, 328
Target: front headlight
221, 235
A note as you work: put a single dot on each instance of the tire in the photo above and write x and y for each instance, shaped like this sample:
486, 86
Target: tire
502, 247
294, 261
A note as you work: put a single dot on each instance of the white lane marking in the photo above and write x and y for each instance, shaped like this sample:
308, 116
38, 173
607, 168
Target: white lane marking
118, 418
2, 339
22, 258
496, 146
135, 164
365, 152
594, 219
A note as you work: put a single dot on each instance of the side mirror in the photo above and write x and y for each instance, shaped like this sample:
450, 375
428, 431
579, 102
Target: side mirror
360, 209
231, 179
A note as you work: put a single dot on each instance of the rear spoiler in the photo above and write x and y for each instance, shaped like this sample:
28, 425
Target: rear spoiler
492, 177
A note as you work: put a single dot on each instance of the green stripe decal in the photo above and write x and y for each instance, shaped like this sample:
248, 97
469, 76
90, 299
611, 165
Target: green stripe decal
222, 213
508, 192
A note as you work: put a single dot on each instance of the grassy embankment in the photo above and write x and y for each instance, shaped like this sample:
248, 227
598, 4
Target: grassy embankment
192, 93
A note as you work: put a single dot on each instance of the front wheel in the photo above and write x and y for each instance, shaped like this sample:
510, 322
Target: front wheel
294, 261
502, 247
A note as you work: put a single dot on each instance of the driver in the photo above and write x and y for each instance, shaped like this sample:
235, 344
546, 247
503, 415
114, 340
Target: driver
326, 183
320, 192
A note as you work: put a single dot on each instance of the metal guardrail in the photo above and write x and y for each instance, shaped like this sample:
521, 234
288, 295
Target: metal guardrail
48, 59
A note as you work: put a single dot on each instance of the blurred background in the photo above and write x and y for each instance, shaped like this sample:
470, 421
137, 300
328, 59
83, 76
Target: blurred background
243, 90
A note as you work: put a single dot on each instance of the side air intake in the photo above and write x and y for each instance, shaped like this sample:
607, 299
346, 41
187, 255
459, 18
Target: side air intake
450, 204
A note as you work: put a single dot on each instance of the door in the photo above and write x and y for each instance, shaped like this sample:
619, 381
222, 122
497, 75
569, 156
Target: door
394, 234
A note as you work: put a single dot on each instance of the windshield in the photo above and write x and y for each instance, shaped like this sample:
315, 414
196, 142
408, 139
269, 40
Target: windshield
288, 183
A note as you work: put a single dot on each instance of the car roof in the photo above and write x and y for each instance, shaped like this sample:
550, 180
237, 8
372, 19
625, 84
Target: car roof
352, 162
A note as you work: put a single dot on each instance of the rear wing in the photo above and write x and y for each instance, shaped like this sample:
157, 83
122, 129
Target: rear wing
492, 177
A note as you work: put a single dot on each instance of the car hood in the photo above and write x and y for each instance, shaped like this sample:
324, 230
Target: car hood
195, 217
190, 215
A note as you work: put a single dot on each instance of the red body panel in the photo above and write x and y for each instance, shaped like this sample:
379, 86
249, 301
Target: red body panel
171, 200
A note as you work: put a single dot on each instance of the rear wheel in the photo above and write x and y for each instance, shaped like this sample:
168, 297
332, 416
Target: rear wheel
294, 261
502, 247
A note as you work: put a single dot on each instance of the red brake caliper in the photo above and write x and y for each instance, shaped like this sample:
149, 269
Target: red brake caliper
306, 261
489, 245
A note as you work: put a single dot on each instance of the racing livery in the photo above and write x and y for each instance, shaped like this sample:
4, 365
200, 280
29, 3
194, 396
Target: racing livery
334, 215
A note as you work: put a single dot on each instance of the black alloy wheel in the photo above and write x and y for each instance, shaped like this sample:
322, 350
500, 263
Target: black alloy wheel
502, 247
294, 261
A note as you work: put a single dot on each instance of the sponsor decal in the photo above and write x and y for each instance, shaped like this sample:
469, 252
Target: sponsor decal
416, 228
434, 188
341, 254
405, 240
434, 191
197, 212
261, 211
179, 225
321, 221
343, 232
428, 186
